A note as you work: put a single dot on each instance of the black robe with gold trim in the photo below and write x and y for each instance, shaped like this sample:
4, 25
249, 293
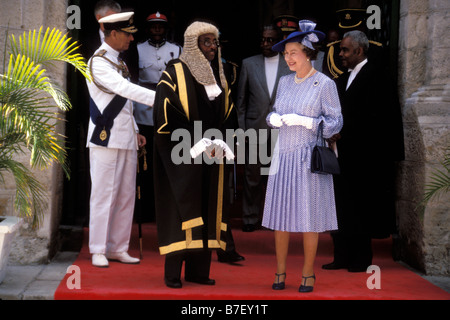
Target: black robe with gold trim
188, 196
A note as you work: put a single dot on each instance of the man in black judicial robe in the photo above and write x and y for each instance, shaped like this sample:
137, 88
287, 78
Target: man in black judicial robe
370, 142
192, 93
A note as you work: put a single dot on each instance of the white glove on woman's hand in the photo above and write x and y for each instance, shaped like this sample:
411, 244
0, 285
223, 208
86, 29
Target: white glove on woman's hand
275, 120
293, 119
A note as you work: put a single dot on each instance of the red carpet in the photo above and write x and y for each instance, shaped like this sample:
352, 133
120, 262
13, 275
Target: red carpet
250, 280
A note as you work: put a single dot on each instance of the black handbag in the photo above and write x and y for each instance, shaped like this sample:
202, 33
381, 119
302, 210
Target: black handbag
323, 159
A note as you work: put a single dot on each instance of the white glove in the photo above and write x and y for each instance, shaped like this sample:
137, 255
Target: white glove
200, 147
275, 120
220, 148
293, 119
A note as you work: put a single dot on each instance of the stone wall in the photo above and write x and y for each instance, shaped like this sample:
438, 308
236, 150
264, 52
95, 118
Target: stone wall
16, 17
424, 69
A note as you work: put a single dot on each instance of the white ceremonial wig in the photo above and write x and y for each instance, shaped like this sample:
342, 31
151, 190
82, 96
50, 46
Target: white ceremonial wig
194, 58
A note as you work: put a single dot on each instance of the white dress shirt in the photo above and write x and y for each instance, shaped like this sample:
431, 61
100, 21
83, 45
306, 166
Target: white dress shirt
123, 132
271, 67
354, 72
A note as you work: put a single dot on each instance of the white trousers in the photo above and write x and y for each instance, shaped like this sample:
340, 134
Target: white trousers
113, 176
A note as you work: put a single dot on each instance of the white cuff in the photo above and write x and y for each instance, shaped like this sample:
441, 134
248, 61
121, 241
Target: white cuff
213, 91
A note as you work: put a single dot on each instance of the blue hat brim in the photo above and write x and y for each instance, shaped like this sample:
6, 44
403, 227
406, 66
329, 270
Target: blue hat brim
296, 36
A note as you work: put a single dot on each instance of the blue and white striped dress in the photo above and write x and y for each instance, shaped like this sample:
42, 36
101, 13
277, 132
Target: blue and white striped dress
296, 199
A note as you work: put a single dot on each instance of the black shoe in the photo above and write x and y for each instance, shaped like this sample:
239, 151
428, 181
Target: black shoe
229, 257
304, 287
205, 281
248, 227
334, 266
279, 285
174, 283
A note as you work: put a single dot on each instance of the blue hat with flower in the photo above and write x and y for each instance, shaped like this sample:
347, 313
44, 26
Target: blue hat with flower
306, 36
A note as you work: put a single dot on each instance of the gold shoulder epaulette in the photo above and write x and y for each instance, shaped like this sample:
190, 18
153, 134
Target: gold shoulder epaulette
376, 43
232, 63
333, 43
234, 68
101, 53
332, 68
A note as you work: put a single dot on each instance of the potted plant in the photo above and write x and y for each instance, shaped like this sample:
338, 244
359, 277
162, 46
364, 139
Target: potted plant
28, 100
8, 227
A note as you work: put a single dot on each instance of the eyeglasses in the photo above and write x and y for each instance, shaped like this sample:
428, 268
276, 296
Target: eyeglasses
268, 40
208, 43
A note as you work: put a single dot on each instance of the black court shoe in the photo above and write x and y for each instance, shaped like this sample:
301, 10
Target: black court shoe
173, 283
201, 280
304, 287
279, 285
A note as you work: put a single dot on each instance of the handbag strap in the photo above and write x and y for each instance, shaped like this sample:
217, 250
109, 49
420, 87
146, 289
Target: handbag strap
320, 133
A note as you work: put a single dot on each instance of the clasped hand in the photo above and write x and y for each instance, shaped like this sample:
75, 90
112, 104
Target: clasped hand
290, 119
216, 148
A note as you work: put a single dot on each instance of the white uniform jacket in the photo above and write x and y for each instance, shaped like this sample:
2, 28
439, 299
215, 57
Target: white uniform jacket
152, 63
123, 133
153, 60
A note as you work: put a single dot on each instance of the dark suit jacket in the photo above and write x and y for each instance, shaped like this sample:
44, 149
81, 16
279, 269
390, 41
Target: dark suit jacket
371, 141
253, 100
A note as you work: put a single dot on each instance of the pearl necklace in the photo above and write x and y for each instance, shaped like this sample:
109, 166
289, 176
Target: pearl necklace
300, 80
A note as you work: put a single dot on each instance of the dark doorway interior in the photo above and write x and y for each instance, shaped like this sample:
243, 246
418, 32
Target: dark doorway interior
240, 23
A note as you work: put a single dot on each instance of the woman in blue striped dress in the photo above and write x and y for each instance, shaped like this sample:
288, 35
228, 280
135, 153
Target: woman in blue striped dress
298, 200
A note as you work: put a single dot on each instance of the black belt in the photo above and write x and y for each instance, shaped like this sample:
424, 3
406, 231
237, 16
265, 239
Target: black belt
104, 122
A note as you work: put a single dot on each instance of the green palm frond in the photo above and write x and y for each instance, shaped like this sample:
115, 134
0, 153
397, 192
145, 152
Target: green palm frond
30, 198
29, 111
52, 46
440, 180
10, 144
24, 79
26, 108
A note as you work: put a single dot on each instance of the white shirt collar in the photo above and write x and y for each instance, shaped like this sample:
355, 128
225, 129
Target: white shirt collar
271, 59
110, 50
358, 66
354, 72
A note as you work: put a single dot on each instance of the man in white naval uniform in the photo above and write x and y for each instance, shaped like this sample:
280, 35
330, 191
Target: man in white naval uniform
154, 54
113, 140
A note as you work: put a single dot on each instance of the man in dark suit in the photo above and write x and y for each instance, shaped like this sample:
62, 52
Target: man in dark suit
257, 90
370, 142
